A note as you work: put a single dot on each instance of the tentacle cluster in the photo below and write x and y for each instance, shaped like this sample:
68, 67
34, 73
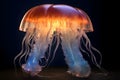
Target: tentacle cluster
46, 25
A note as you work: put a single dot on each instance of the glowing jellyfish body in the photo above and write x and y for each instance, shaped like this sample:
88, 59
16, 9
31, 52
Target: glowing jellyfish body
43, 23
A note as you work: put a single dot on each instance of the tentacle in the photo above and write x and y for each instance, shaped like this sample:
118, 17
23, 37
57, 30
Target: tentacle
80, 46
30, 43
24, 44
49, 51
81, 41
32, 65
78, 66
89, 48
58, 42
28, 38
89, 54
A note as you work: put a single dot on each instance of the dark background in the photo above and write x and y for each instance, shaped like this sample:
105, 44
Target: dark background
104, 37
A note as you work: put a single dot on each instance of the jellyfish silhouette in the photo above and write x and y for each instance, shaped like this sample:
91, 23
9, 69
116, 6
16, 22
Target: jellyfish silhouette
63, 24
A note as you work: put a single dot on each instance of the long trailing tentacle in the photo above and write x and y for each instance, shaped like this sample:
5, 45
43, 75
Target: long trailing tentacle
31, 43
89, 47
50, 37
27, 46
57, 38
49, 49
16, 57
87, 52
81, 41
81, 48
21, 53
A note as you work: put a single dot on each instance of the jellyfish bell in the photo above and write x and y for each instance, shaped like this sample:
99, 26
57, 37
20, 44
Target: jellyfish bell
55, 13
68, 23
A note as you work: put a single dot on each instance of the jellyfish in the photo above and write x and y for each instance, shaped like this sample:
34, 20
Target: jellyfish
66, 25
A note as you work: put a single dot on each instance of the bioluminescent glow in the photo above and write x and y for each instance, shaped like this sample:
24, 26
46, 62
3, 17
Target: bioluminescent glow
45, 22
